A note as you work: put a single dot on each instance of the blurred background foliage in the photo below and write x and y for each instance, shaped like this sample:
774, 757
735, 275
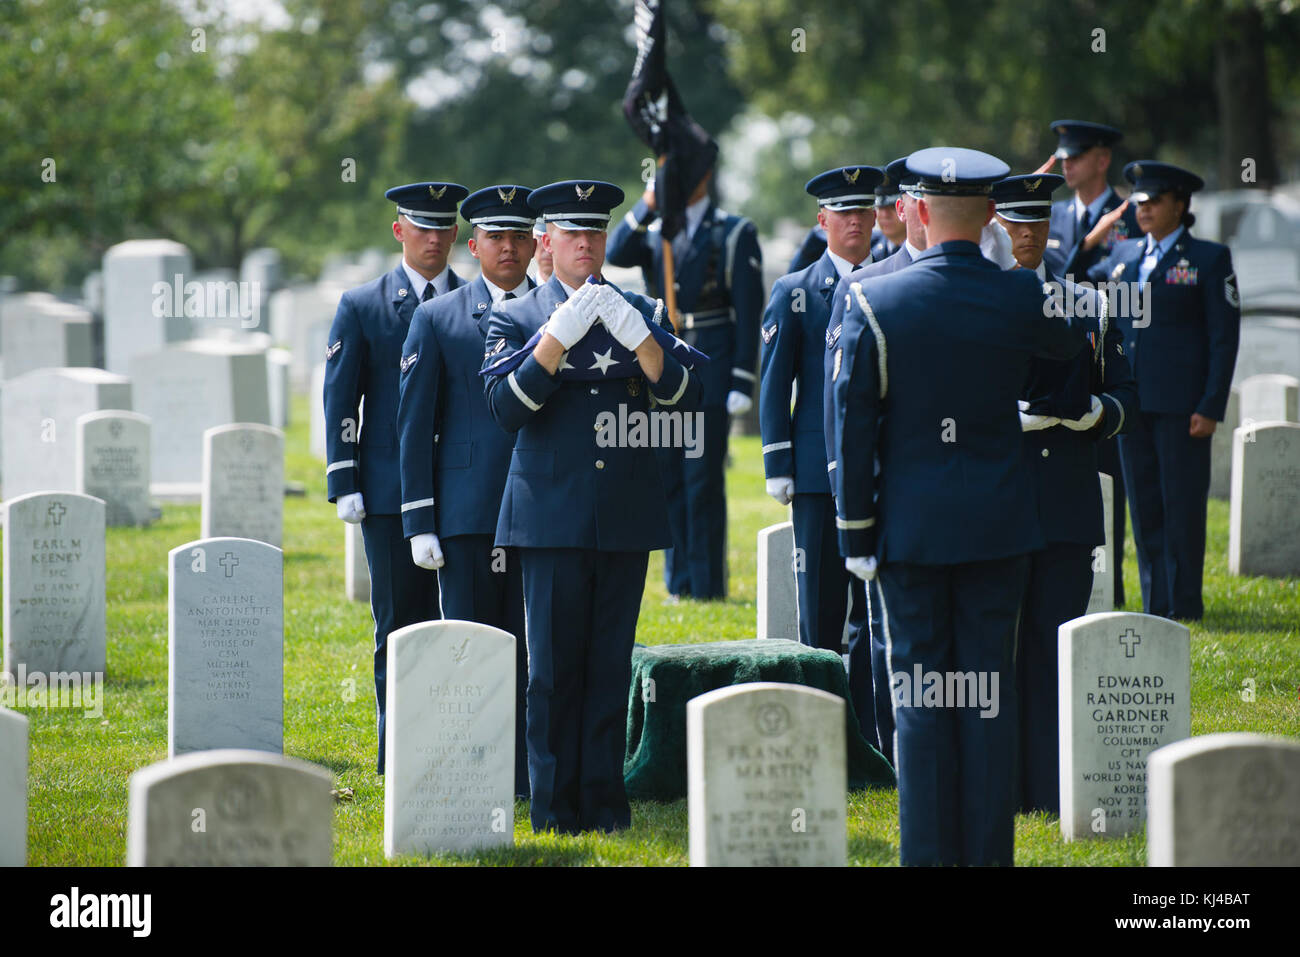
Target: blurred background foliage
231, 124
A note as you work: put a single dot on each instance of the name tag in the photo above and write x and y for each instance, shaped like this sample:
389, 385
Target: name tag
1053, 243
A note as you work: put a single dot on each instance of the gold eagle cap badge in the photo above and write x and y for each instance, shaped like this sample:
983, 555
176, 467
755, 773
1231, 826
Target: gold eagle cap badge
506, 198
1032, 184
437, 193
584, 194
1137, 170
852, 177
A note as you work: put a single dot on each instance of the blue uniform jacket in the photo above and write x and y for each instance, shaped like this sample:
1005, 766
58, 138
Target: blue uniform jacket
940, 365
794, 344
1065, 255
454, 455
1064, 462
565, 489
1184, 350
730, 243
836, 333
363, 361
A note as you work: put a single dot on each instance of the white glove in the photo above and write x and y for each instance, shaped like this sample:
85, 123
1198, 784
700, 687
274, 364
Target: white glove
620, 317
864, 568
1032, 423
1086, 421
781, 489
738, 403
351, 508
573, 318
426, 551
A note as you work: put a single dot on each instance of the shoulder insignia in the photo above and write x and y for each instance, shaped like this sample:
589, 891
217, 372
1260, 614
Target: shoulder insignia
332, 351
768, 332
1230, 292
833, 336
409, 361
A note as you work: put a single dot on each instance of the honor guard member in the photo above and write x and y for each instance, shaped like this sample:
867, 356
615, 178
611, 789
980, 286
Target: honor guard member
542, 258
719, 282
1067, 407
794, 446
363, 362
842, 332
809, 251
932, 395
891, 229
583, 505
1183, 349
454, 455
1084, 231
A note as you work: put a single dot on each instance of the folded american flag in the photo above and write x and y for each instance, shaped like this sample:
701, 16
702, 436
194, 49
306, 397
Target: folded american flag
598, 355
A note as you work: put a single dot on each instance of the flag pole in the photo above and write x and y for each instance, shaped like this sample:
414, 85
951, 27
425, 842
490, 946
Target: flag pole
670, 286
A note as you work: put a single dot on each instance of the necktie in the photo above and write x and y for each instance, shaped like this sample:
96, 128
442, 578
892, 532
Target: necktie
1149, 262
509, 295
428, 292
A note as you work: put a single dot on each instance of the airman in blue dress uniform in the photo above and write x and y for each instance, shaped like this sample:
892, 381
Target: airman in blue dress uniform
584, 507
362, 361
1183, 349
719, 279
1084, 231
794, 445
1067, 407
932, 394
454, 456
895, 185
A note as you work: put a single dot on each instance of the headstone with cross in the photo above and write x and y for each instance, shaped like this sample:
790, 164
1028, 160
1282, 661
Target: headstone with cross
113, 464
243, 483
766, 777
230, 808
1225, 800
225, 646
1125, 688
40, 412
1264, 513
450, 750
54, 585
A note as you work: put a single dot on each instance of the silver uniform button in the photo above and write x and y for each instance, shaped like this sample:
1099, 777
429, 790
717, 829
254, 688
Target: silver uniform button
600, 463
595, 392
1046, 453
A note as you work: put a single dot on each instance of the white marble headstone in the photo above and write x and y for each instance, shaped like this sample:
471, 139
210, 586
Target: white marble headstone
40, 411
1125, 689
301, 317
767, 777
113, 464
139, 314
1264, 513
54, 599
317, 404
42, 332
1103, 556
778, 598
189, 388
1267, 345
13, 788
1270, 397
225, 652
230, 808
278, 364
1221, 447
243, 483
356, 572
450, 746
1225, 800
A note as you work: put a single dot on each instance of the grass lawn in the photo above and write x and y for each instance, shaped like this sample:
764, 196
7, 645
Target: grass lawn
79, 766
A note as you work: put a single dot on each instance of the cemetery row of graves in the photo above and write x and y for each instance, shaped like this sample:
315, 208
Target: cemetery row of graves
167, 542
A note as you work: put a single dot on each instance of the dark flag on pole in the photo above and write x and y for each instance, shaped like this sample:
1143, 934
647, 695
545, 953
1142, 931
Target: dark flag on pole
659, 119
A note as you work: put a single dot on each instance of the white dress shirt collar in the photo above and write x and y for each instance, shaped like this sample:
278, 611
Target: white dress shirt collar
842, 265
497, 293
418, 282
912, 251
